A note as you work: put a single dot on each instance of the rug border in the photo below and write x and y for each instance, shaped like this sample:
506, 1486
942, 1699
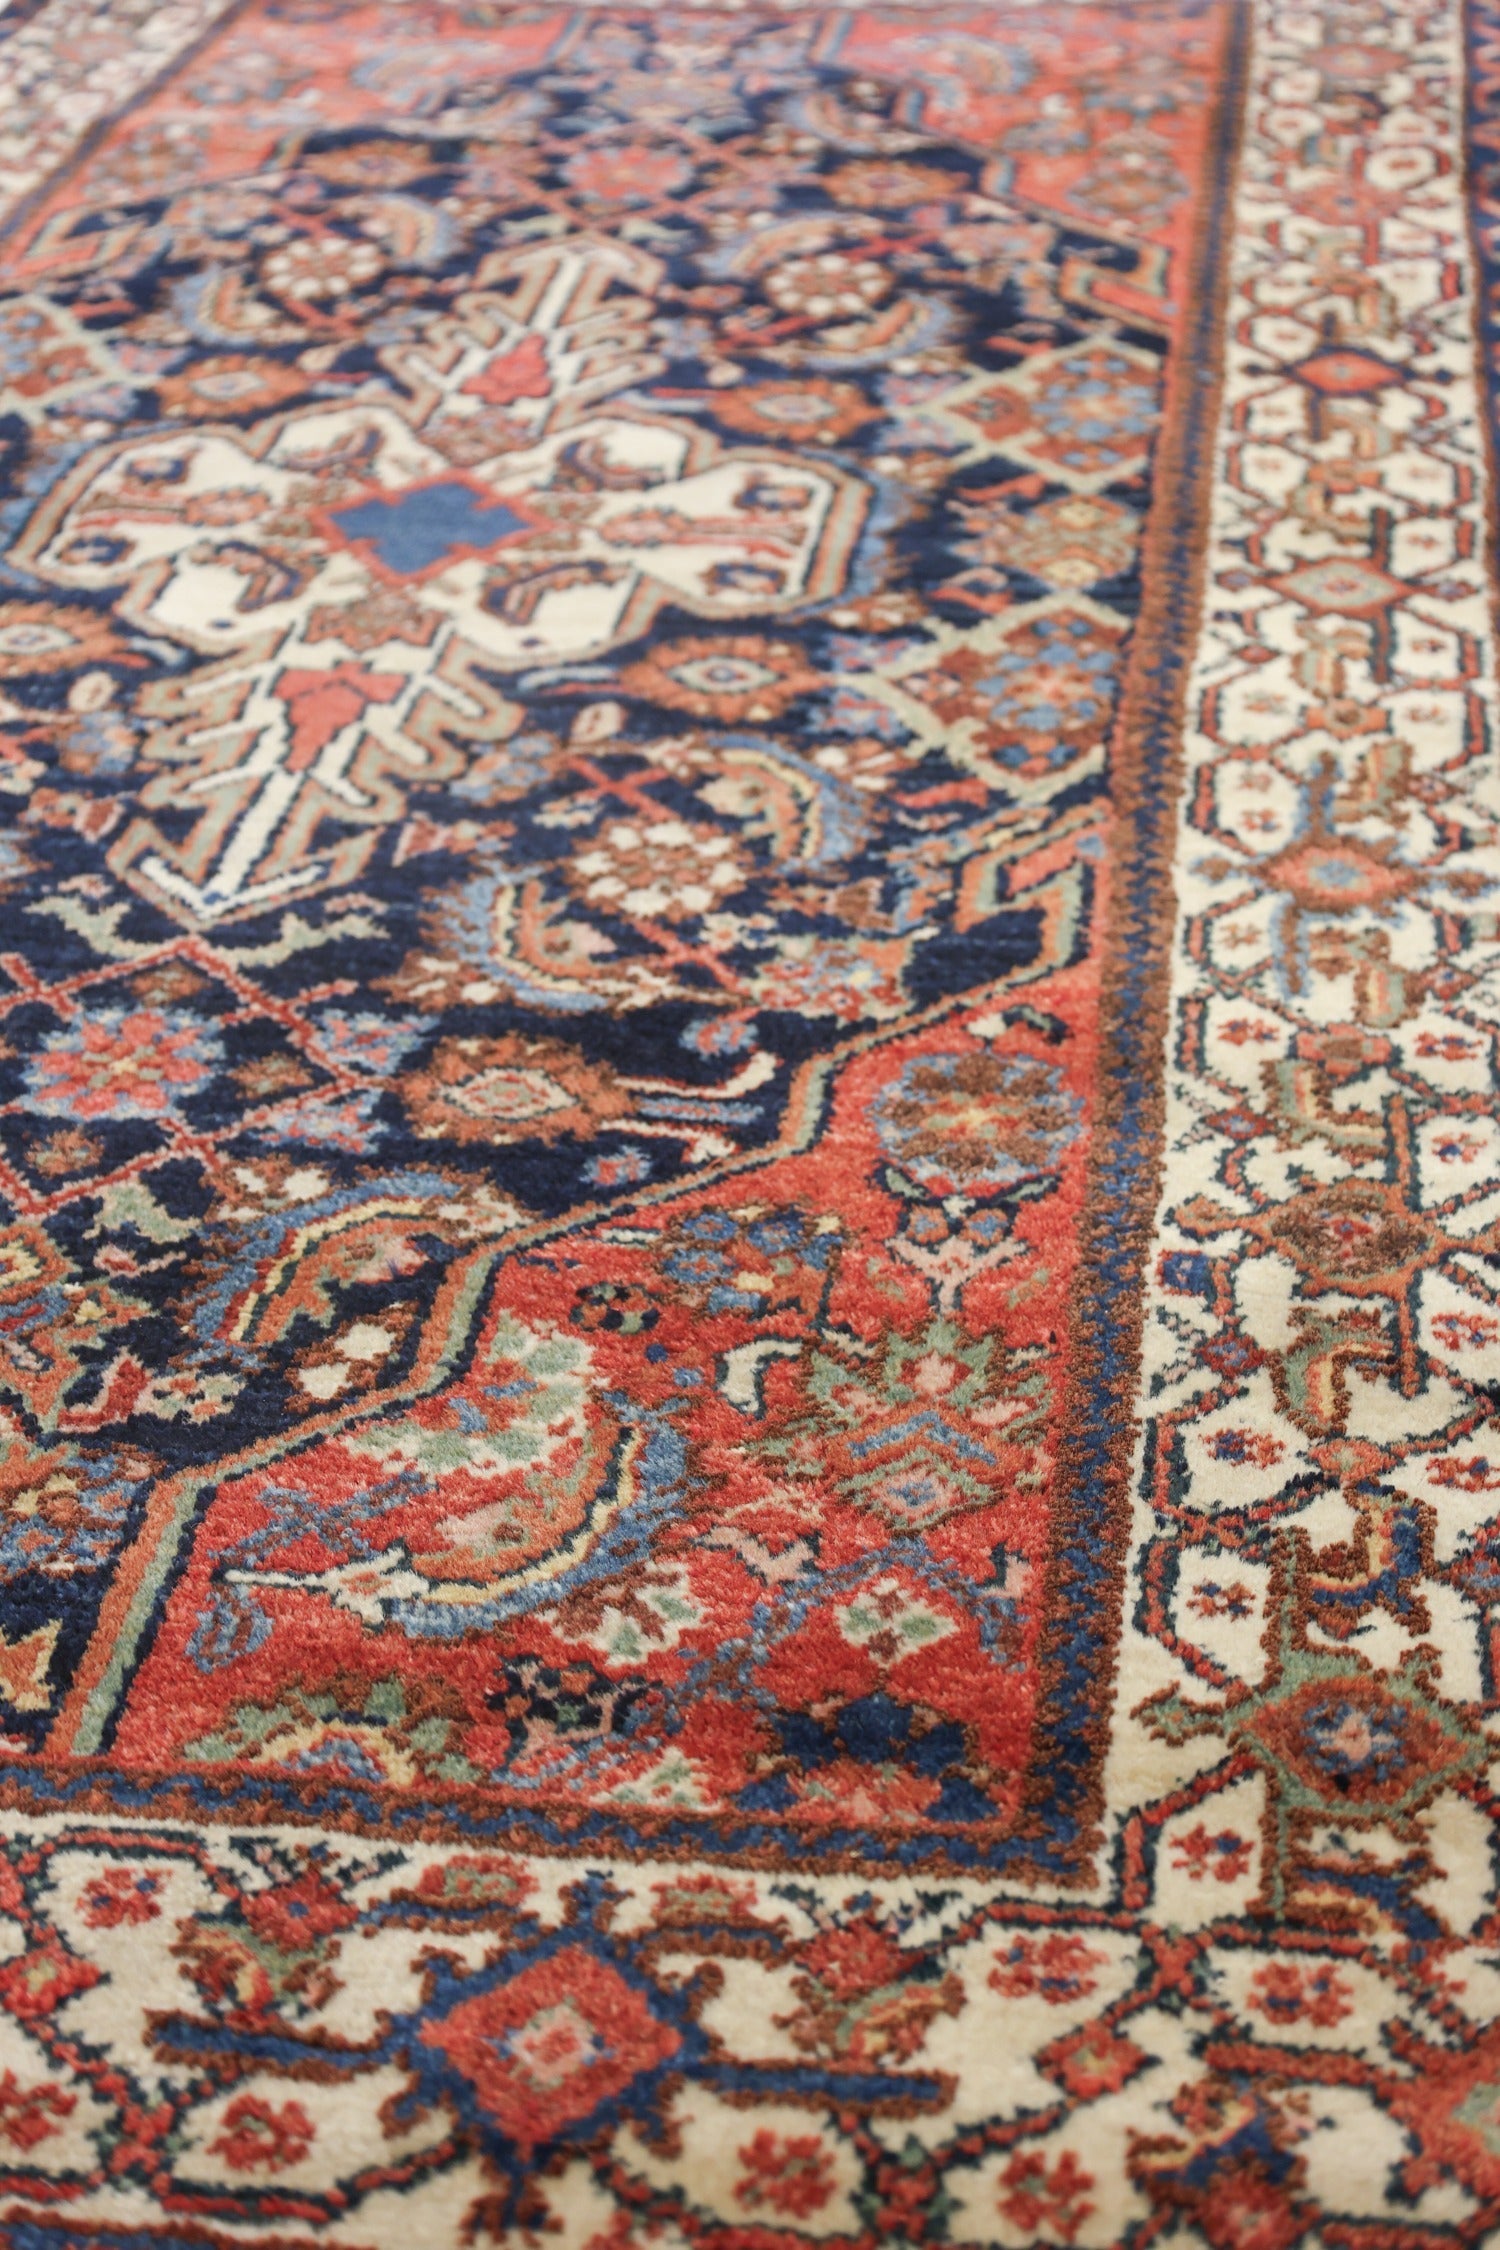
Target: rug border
29, 17
1101, 1422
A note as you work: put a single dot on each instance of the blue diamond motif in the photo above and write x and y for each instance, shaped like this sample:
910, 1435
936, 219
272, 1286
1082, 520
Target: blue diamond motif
419, 528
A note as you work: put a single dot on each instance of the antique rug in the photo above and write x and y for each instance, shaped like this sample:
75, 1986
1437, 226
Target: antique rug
749, 1157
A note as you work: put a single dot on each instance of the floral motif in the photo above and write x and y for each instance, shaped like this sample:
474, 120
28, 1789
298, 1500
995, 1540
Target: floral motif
121, 1063
257, 2136
38, 637
816, 412
831, 283
30, 2114
789, 2175
1050, 2200
630, 173
512, 1089
1032, 699
658, 869
1060, 1968
977, 1124
317, 268
737, 677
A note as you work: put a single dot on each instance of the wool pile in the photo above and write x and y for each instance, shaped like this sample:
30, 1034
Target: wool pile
749, 1152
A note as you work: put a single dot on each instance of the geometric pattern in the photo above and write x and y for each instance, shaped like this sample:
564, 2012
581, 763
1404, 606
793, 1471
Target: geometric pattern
747, 1126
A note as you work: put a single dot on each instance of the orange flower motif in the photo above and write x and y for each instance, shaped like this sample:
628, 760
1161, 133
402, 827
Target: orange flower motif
33, 1984
119, 1896
1292, 1992
42, 637
1092, 2061
258, 2137
512, 1089
815, 412
628, 174
886, 185
791, 2175
227, 384
859, 1958
29, 2114
1224, 1856
1035, 2194
293, 1916
1476, 1473
730, 678
1459, 1332
119, 1064
1058, 1968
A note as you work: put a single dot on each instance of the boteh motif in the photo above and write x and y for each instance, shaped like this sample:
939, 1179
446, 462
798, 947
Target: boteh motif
749, 759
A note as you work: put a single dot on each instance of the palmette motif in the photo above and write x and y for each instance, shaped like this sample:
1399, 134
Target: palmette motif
586, 1656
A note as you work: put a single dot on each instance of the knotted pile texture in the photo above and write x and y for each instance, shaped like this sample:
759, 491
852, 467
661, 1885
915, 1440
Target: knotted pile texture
749, 1159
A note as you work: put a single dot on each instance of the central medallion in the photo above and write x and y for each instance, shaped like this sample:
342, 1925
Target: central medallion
426, 527
339, 564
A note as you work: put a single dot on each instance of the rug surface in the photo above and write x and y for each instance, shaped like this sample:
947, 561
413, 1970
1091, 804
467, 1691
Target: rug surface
749, 1157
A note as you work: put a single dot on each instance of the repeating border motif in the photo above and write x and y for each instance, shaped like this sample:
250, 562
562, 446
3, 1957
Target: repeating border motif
1321, 1353
70, 66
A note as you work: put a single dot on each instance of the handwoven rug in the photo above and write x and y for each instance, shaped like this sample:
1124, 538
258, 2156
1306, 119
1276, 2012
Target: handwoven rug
750, 1277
